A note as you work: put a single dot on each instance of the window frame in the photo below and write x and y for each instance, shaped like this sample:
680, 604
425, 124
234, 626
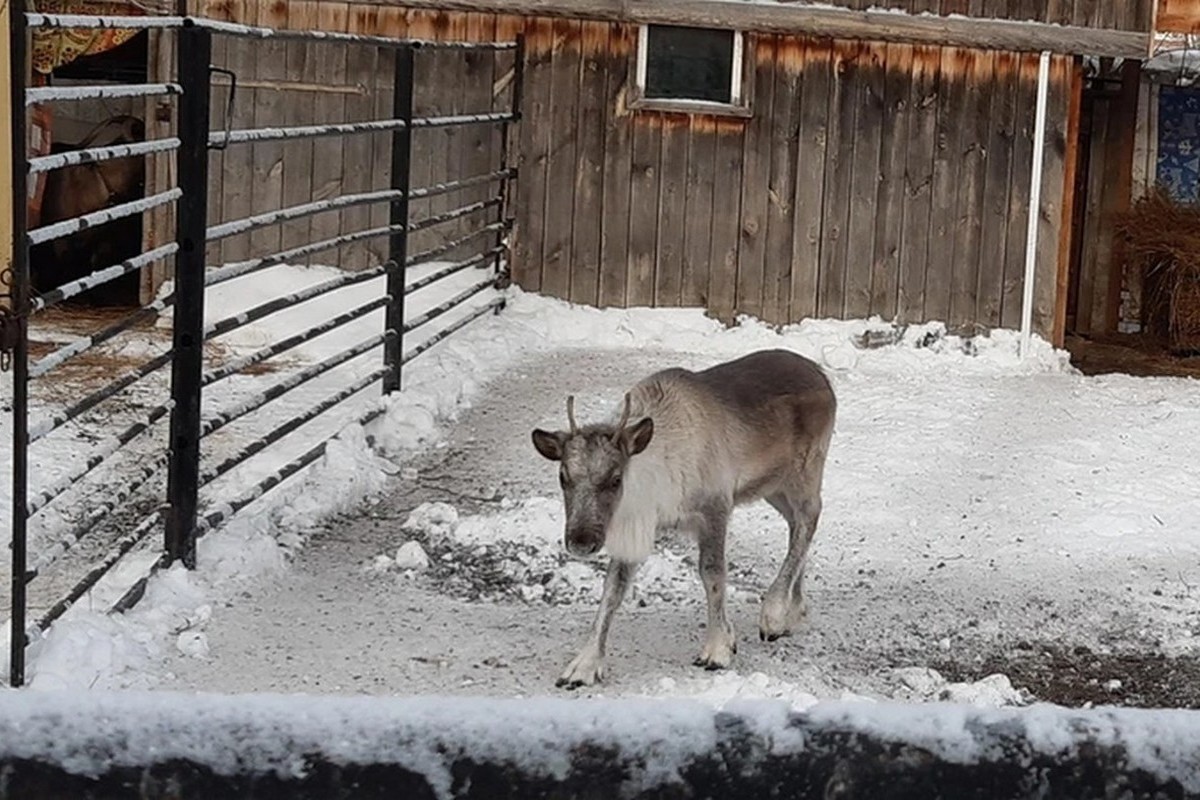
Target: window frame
740, 80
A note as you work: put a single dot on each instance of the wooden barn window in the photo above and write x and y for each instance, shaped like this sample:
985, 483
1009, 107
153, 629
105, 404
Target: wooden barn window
691, 70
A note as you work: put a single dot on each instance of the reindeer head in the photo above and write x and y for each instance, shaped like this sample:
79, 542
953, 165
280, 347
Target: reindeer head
592, 462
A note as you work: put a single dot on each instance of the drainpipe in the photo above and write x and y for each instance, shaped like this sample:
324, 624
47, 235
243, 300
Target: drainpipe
1035, 201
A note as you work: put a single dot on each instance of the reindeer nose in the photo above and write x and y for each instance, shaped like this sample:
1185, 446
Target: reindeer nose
584, 543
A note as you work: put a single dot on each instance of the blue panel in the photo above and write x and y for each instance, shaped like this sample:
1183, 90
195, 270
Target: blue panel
1178, 167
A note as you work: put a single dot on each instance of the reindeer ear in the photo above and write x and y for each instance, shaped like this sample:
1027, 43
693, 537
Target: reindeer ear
636, 438
550, 445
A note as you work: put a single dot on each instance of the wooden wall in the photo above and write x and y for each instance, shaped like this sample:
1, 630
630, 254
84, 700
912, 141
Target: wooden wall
1130, 15
1179, 16
871, 179
297, 83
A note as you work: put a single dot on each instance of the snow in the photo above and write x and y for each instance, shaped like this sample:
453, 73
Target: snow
972, 496
89, 640
89, 733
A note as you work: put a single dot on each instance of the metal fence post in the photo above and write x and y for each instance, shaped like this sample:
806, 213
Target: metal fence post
195, 56
402, 108
14, 322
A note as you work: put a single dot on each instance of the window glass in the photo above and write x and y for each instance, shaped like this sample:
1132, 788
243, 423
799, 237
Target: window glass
689, 63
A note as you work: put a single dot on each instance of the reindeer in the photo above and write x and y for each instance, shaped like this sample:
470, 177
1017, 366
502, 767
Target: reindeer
758, 427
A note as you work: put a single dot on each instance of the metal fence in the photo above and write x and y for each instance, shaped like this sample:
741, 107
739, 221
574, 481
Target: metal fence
180, 509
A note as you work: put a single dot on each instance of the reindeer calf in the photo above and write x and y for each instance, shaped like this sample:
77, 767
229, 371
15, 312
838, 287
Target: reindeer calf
702, 443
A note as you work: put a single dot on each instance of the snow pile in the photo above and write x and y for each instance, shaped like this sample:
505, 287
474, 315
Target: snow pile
516, 554
90, 733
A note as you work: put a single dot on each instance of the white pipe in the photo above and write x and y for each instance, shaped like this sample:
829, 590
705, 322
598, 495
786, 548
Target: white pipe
1035, 201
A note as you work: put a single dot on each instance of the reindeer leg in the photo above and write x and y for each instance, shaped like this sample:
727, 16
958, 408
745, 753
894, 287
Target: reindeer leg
783, 605
720, 643
588, 667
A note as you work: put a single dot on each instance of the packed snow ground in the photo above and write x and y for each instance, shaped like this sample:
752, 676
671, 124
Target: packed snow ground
974, 501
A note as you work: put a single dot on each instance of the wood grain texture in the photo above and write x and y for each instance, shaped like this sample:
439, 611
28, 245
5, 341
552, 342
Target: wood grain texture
562, 163
618, 166
812, 162
924, 100
998, 181
864, 212
756, 168
889, 227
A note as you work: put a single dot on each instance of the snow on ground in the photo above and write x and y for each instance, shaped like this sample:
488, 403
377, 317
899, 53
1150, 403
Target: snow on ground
975, 501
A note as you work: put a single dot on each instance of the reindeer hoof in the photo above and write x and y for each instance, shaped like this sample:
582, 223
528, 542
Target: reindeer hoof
585, 670
717, 654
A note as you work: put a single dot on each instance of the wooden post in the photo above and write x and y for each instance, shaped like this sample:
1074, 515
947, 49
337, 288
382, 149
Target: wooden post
1066, 233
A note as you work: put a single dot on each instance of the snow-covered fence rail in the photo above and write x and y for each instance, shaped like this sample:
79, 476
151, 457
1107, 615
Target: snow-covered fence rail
481, 229
179, 745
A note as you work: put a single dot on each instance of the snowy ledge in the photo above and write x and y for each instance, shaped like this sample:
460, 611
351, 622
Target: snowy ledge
59, 744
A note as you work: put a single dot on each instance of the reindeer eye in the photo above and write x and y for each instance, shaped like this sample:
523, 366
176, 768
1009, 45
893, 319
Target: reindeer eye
615, 481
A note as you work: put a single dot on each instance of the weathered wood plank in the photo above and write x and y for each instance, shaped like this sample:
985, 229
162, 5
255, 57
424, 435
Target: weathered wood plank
952, 105
1070, 184
697, 235
817, 82
1018, 197
266, 188
160, 175
826, 22
299, 110
756, 167
889, 228
535, 134
789, 62
330, 69
381, 91
668, 266
362, 64
589, 174
643, 208
618, 165
964, 275
1178, 16
997, 182
925, 90
1053, 192
839, 165
427, 163
237, 164
564, 95
863, 218
722, 276
1122, 148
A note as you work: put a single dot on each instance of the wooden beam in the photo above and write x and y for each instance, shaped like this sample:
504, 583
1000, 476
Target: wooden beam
823, 21
1066, 230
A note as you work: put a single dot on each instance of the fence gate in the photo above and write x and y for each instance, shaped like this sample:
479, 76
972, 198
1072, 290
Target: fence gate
100, 468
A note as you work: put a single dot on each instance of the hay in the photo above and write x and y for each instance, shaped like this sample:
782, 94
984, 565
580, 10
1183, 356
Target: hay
52, 328
1162, 239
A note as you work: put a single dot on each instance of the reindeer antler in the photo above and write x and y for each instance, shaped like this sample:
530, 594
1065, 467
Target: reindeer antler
624, 415
571, 414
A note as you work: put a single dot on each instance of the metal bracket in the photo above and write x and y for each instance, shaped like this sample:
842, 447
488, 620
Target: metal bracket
228, 105
8, 321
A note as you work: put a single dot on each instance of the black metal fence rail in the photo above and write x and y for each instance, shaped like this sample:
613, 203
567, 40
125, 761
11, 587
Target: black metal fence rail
24, 303
185, 474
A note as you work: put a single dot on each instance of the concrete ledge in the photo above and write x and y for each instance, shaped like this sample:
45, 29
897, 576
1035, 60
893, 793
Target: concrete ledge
151, 745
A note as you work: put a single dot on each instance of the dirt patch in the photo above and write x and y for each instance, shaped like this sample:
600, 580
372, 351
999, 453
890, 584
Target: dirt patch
1078, 676
1142, 355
